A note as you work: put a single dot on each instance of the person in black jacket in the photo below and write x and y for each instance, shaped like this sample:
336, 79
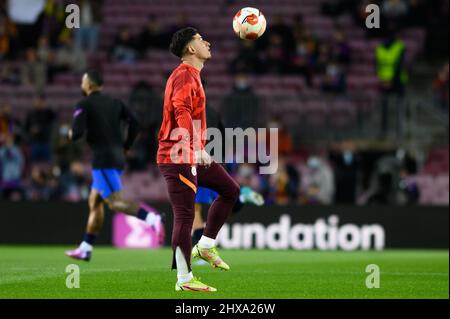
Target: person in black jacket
100, 117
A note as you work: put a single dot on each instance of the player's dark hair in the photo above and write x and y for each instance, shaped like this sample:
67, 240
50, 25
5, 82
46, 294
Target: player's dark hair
95, 77
180, 39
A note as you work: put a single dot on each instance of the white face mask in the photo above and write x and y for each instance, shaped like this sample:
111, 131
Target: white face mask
313, 163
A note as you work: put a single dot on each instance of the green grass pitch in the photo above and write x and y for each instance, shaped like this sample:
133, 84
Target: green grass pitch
39, 272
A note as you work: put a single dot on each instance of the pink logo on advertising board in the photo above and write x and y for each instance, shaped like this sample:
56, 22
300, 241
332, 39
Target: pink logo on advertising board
130, 232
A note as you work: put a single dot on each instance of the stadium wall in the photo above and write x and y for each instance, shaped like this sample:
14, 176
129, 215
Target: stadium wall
268, 227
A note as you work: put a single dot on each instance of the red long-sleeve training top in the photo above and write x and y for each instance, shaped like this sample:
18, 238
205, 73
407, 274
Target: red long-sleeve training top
184, 106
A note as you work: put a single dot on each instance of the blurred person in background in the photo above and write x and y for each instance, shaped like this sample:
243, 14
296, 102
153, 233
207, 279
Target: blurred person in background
147, 105
245, 173
46, 54
53, 20
44, 51
9, 74
385, 180
182, 19
66, 152
281, 31
34, 71
298, 27
324, 56
390, 184
345, 165
139, 155
385, 193
240, 108
336, 8
276, 56
334, 80
340, 48
409, 189
43, 183
392, 76
285, 143
8, 38
440, 87
305, 55
151, 36
123, 49
11, 167
69, 58
282, 187
9, 125
247, 60
395, 11
86, 37
319, 183
39, 126
74, 183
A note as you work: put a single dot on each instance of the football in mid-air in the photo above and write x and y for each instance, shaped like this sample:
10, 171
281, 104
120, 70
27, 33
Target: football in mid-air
249, 23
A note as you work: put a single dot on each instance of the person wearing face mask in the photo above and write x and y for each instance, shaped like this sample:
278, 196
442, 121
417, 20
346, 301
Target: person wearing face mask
345, 164
241, 84
320, 187
240, 108
334, 80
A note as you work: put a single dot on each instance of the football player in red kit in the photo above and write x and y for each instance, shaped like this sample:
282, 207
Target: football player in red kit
185, 164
